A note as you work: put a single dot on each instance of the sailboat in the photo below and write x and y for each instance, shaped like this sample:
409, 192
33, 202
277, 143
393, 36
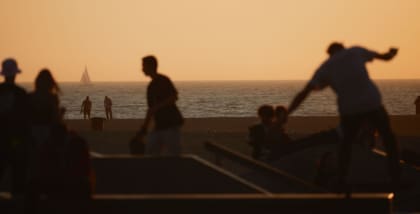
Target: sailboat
85, 78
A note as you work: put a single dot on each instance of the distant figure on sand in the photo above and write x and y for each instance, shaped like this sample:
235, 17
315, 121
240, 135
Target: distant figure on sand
417, 103
13, 128
86, 108
359, 102
108, 107
257, 134
161, 101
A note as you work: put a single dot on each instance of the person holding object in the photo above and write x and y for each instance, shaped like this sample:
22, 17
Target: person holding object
161, 101
359, 102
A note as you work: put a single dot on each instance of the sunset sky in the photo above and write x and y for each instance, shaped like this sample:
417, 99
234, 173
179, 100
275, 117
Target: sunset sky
204, 39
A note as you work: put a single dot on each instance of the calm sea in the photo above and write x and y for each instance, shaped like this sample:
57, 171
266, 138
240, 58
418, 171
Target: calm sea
225, 98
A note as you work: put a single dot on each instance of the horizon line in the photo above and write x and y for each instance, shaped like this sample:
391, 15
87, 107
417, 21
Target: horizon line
227, 80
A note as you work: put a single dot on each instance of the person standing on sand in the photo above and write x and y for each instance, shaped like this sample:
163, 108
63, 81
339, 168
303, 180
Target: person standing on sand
108, 107
161, 101
359, 102
14, 127
86, 107
417, 103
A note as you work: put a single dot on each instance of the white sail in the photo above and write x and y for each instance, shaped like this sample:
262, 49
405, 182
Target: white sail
85, 77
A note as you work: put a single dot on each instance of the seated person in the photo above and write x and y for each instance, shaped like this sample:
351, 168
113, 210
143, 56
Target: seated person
258, 132
278, 140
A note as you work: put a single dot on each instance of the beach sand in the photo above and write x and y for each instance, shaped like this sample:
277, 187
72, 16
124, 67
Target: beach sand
232, 132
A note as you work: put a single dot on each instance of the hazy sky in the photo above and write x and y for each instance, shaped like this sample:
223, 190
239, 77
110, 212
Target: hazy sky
204, 39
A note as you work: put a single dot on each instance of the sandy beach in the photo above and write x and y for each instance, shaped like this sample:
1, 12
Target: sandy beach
114, 138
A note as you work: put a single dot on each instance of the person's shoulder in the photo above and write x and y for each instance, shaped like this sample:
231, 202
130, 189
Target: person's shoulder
163, 77
357, 49
20, 89
13, 87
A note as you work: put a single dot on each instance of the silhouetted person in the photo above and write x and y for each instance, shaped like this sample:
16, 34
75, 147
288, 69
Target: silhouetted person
86, 108
108, 107
45, 104
278, 140
14, 130
359, 102
161, 101
44, 112
58, 157
417, 103
257, 133
277, 131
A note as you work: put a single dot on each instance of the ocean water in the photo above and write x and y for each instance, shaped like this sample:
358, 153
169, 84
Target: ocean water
225, 98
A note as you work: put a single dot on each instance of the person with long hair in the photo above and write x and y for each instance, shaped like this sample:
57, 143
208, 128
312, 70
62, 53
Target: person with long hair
44, 99
59, 157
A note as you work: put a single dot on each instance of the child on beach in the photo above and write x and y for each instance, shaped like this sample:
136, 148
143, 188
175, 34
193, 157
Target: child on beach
258, 132
278, 139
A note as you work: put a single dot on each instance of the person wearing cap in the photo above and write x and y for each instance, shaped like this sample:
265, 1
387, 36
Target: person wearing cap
359, 102
14, 126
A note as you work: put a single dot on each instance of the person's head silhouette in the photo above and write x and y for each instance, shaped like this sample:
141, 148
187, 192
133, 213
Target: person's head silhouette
280, 114
45, 82
334, 48
150, 65
266, 113
9, 69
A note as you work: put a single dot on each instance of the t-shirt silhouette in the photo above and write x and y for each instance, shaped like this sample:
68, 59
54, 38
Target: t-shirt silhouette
347, 75
159, 89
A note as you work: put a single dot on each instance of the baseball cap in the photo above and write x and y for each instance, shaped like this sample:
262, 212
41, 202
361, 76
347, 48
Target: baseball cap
9, 67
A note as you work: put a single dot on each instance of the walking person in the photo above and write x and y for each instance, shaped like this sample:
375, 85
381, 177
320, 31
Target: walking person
108, 107
86, 108
359, 102
162, 109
